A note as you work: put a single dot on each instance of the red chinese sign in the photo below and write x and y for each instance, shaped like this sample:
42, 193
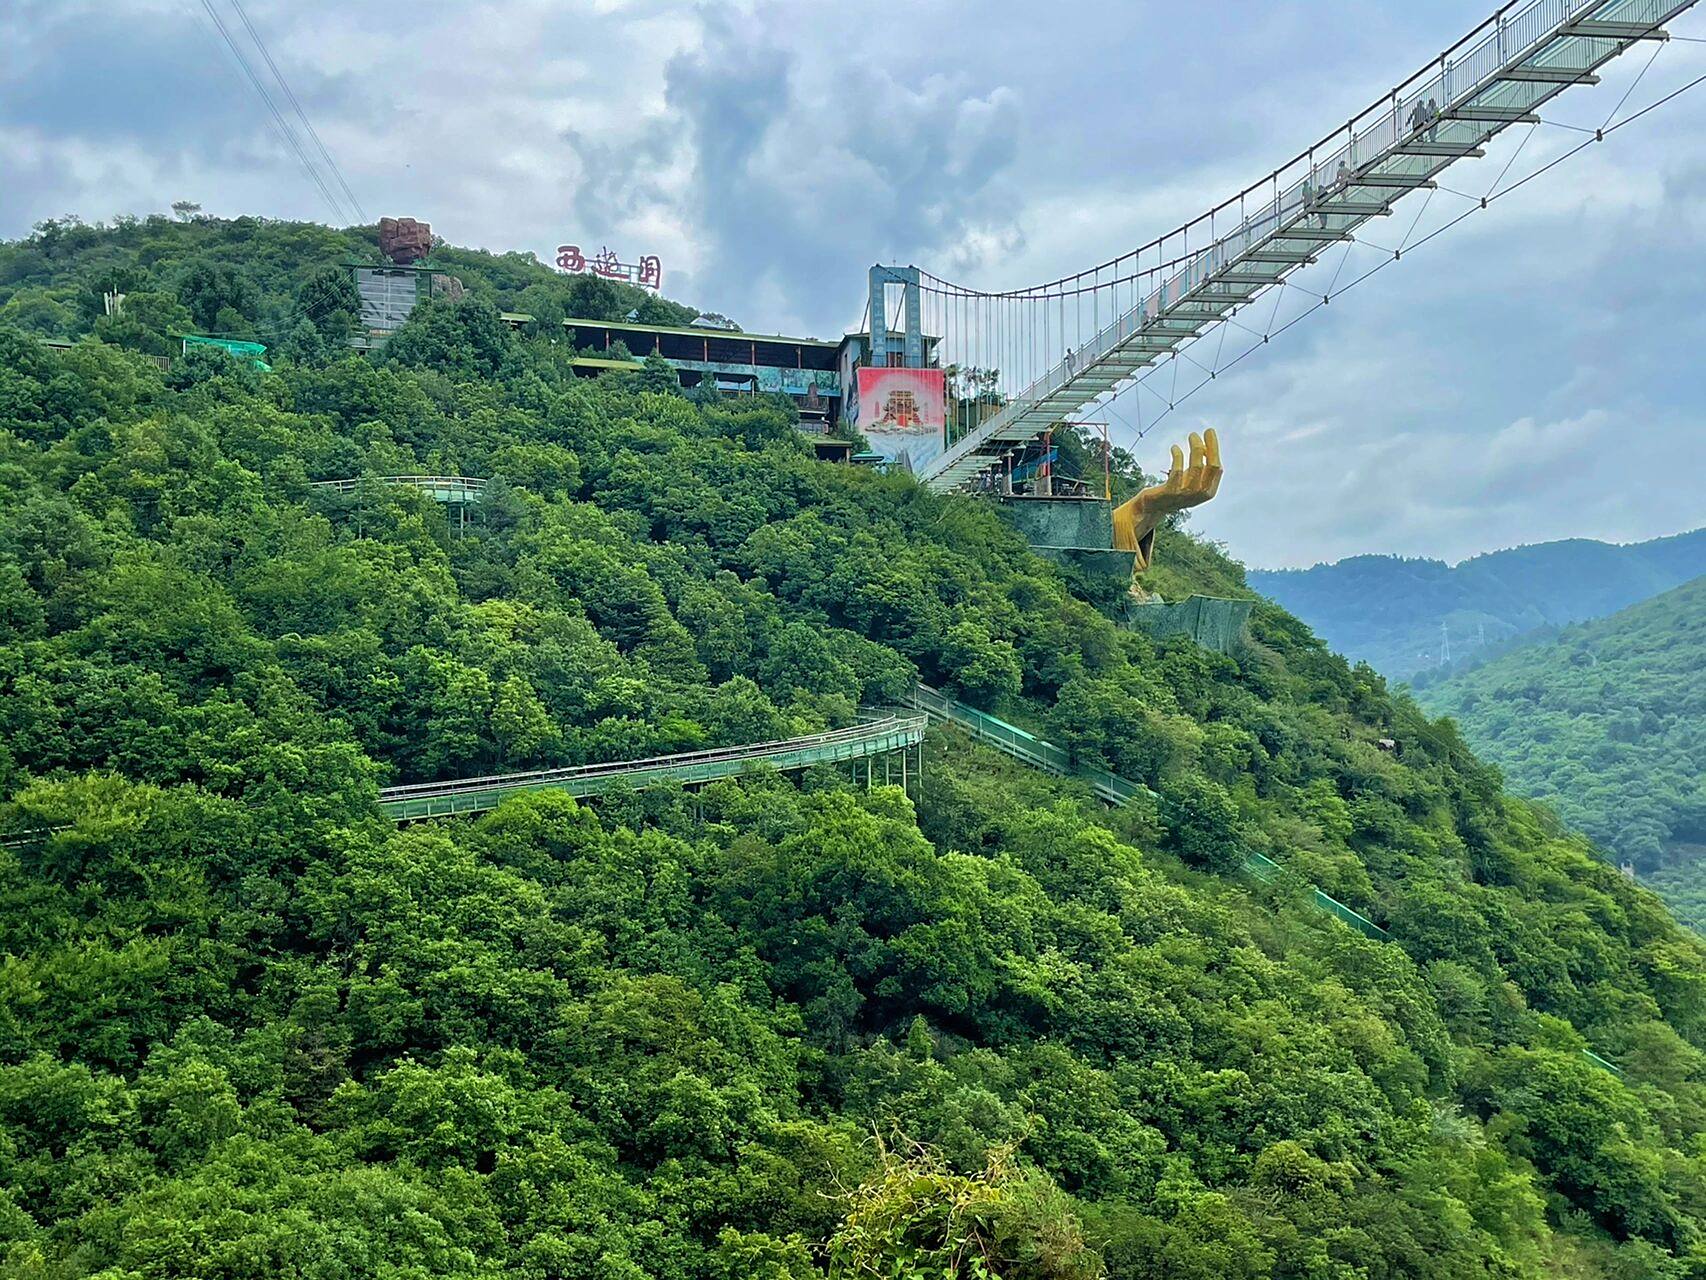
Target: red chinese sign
647, 273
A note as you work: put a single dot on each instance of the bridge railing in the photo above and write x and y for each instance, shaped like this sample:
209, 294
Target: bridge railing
683, 758
469, 486
435, 799
1464, 71
991, 729
1515, 34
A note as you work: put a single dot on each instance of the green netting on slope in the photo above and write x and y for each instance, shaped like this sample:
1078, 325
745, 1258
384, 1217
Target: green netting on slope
1079, 523
250, 351
1212, 622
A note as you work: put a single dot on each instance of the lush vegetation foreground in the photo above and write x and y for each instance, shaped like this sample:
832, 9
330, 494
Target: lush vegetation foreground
249, 1028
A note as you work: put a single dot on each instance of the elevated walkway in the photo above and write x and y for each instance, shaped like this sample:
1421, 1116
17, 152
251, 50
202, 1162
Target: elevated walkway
450, 490
1108, 788
1497, 76
1117, 791
1021, 745
887, 736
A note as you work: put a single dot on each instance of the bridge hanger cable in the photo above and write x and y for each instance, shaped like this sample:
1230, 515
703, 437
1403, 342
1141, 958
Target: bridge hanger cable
1489, 29
1174, 400
280, 125
301, 115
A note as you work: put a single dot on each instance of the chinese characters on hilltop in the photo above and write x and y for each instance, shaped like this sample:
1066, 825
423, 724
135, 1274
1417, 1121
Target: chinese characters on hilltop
647, 273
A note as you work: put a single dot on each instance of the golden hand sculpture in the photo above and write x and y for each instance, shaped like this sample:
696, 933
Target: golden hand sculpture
1135, 521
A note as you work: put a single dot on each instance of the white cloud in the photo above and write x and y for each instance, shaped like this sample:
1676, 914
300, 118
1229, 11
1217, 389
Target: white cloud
1476, 394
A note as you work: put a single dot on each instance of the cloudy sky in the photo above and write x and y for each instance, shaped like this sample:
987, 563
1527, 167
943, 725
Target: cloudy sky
1534, 373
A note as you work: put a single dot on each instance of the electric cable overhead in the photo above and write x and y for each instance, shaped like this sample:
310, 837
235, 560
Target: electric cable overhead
301, 115
280, 124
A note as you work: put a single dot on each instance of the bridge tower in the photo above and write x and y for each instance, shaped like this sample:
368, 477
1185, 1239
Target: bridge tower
908, 344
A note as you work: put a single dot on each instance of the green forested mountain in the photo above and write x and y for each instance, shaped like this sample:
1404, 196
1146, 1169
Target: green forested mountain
282, 283
1606, 723
782, 1028
1396, 614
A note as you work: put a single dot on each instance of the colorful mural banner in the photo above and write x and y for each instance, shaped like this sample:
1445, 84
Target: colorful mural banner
904, 414
796, 382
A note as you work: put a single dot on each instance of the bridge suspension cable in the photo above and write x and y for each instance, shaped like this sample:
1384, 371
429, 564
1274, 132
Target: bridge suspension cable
1022, 360
1388, 257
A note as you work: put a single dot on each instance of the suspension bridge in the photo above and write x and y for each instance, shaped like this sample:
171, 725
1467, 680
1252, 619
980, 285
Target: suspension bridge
1048, 352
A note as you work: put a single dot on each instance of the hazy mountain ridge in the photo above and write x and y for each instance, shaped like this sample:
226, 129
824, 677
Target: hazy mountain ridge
1606, 723
1388, 610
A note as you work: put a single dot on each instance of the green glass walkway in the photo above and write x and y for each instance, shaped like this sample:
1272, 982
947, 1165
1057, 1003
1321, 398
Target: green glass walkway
450, 490
887, 736
1116, 791
1109, 788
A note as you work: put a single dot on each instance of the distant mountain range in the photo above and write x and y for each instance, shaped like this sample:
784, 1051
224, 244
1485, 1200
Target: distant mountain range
1606, 722
1400, 615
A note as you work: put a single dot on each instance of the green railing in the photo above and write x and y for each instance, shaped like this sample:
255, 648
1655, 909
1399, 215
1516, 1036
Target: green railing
1598, 1061
1109, 788
1118, 791
1267, 871
987, 728
477, 795
1022, 745
452, 490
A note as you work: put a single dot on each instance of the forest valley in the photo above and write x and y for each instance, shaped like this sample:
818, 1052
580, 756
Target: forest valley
783, 1027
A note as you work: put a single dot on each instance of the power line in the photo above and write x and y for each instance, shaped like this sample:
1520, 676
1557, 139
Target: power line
300, 113
279, 122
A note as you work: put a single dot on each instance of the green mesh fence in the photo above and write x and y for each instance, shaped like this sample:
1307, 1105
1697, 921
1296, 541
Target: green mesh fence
1061, 522
250, 351
1212, 622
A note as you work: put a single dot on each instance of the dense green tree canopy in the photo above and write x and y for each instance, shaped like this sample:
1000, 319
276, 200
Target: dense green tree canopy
1606, 723
249, 1027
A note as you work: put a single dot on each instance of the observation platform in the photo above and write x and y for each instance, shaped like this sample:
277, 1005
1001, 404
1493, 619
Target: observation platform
450, 490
